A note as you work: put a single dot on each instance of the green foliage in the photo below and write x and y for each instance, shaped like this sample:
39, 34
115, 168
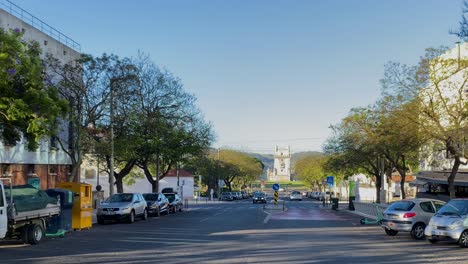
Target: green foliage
310, 170
29, 104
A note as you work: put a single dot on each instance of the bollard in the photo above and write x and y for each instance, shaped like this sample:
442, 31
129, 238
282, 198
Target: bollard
186, 204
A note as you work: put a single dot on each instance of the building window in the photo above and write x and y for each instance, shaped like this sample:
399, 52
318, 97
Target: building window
64, 52
45, 42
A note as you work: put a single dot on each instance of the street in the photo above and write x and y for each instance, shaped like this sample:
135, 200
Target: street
236, 232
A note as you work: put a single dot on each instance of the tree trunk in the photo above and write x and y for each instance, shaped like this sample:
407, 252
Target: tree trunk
403, 178
155, 187
119, 184
451, 178
378, 186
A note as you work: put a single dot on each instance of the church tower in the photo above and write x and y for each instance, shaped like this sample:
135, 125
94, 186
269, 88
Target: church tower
282, 165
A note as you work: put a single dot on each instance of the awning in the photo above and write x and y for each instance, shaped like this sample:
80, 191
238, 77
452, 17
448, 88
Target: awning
440, 177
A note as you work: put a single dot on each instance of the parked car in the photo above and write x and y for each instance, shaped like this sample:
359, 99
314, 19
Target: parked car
122, 206
236, 195
168, 190
157, 203
175, 202
316, 195
259, 197
244, 195
411, 215
295, 195
227, 196
450, 223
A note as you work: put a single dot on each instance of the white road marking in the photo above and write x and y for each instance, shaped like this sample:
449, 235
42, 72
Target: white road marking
267, 218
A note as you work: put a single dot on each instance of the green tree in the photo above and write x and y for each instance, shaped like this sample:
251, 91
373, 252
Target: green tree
437, 86
310, 169
30, 105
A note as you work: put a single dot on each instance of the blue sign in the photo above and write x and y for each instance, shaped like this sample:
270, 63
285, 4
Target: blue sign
275, 187
331, 181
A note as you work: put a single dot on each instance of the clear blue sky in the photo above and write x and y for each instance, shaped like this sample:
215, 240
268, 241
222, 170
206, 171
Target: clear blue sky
264, 72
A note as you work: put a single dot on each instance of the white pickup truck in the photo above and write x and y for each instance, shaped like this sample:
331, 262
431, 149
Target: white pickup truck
30, 226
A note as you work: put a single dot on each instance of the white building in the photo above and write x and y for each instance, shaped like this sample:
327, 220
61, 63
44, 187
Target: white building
49, 162
282, 165
141, 185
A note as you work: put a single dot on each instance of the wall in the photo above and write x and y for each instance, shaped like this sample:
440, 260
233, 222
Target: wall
18, 156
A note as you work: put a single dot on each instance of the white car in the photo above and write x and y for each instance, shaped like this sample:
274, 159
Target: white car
295, 195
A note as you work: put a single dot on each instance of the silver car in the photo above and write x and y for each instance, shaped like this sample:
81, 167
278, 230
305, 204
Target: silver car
122, 206
450, 223
295, 195
410, 215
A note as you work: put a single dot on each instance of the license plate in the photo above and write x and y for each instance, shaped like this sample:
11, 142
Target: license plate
111, 213
438, 233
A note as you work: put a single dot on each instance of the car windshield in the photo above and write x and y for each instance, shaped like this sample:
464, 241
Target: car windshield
121, 198
296, 192
401, 206
170, 196
151, 196
259, 195
454, 207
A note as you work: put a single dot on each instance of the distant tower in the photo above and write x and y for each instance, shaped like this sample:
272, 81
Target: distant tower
282, 165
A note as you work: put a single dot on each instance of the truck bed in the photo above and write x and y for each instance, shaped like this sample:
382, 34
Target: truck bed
50, 210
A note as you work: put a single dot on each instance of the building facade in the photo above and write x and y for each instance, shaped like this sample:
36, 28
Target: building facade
281, 166
48, 164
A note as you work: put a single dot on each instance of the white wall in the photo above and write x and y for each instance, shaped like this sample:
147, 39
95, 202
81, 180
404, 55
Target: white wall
43, 155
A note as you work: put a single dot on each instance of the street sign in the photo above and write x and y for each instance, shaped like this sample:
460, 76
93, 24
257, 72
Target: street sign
331, 181
275, 187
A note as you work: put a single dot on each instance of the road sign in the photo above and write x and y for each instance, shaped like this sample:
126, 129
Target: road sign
275, 187
276, 196
331, 181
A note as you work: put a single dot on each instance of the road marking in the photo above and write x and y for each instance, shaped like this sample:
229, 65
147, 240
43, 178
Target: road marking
267, 218
218, 214
204, 219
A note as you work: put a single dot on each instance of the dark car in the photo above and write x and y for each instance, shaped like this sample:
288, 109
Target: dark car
168, 190
157, 203
175, 202
259, 198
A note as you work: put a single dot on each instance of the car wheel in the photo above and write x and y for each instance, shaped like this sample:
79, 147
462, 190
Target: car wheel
35, 234
131, 217
463, 241
145, 215
417, 232
391, 232
100, 220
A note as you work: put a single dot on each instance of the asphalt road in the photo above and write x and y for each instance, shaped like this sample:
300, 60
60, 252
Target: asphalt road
237, 232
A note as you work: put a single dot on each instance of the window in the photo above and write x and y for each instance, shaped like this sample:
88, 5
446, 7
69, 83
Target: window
1, 198
427, 207
438, 205
45, 42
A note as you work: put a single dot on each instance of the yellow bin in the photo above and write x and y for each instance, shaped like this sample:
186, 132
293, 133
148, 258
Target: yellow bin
82, 211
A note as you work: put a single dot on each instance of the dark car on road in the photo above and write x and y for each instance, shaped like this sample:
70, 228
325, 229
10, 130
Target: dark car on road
157, 203
175, 202
259, 197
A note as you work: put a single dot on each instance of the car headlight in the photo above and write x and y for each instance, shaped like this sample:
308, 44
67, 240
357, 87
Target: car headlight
456, 224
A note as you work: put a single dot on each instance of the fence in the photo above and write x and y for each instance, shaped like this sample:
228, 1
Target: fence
369, 210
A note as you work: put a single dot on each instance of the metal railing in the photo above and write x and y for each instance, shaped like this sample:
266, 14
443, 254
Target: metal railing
35, 22
369, 209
